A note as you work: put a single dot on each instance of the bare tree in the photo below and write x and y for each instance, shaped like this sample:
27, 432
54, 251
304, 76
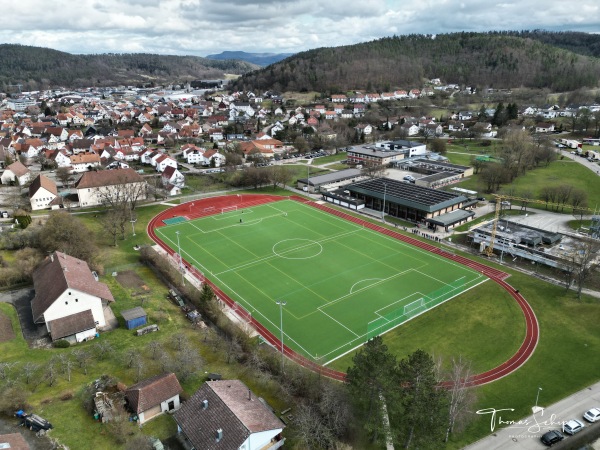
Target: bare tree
5, 369
233, 349
187, 362
178, 340
154, 347
461, 397
82, 357
103, 348
587, 261
29, 370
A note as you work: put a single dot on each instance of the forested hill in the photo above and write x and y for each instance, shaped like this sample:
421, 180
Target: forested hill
499, 60
583, 43
38, 68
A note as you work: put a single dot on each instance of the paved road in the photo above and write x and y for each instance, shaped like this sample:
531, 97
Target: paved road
527, 436
583, 161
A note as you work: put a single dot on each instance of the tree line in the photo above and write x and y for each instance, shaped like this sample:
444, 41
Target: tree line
478, 59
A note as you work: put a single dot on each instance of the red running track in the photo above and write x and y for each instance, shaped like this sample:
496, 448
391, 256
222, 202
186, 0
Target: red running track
211, 206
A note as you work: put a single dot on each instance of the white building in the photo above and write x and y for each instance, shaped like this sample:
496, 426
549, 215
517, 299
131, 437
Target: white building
93, 188
68, 299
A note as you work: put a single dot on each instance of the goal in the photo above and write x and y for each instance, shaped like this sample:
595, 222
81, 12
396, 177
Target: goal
228, 209
414, 306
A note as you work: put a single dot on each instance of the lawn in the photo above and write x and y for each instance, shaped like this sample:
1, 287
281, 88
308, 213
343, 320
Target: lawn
565, 171
342, 281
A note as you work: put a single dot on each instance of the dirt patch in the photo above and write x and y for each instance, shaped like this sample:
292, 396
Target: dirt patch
131, 280
6, 330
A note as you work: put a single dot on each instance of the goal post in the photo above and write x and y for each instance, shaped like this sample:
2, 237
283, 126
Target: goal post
228, 209
412, 307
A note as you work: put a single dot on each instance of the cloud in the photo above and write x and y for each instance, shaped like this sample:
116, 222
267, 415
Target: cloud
200, 27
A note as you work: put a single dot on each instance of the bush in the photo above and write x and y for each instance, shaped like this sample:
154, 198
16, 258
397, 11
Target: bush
62, 343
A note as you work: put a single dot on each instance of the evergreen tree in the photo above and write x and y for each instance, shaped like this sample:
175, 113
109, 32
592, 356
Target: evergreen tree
373, 383
424, 404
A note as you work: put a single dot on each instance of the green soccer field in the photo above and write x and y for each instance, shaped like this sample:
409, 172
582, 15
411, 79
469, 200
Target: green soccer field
341, 283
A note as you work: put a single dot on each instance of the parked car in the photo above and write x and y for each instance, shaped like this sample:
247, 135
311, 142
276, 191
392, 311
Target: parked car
552, 437
573, 426
593, 415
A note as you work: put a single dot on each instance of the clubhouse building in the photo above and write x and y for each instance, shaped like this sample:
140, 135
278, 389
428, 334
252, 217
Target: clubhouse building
429, 207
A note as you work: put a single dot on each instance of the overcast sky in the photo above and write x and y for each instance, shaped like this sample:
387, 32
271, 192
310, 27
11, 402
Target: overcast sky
202, 27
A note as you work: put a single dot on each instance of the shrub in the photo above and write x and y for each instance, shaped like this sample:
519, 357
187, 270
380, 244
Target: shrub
62, 343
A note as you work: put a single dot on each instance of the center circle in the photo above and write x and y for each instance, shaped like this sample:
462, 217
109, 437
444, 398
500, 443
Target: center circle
297, 248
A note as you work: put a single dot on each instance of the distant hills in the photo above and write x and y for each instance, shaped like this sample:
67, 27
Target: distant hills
558, 61
260, 59
536, 59
38, 68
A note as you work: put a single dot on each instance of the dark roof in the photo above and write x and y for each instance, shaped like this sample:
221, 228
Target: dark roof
108, 178
60, 272
451, 218
232, 408
333, 177
42, 181
153, 391
15, 440
69, 325
133, 313
407, 194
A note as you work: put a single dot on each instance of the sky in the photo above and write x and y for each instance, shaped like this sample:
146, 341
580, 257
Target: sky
202, 27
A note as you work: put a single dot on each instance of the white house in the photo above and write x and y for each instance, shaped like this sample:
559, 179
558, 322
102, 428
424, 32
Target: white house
226, 414
82, 162
154, 396
164, 161
68, 299
16, 173
42, 192
93, 188
172, 176
213, 155
194, 155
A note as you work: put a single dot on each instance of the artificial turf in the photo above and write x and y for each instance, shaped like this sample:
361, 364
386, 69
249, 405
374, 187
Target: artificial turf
341, 283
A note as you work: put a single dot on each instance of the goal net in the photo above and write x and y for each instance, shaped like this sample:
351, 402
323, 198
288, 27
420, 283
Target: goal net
228, 209
413, 307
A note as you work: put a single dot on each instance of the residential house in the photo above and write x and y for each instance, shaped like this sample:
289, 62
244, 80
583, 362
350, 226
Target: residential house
16, 173
226, 414
364, 129
42, 193
465, 115
455, 125
164, 161
212, 157
94, 187
172, 176
68, 299
339, 98
433, 129
152, 397
193, 155
409, 129
82, 162
544, 127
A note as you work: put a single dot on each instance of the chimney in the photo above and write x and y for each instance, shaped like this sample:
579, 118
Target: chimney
219, 434
204, 404
249, 395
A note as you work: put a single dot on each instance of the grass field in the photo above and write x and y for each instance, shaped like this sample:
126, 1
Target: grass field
341, 283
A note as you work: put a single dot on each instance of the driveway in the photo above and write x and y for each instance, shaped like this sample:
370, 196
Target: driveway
35, 335
9, 426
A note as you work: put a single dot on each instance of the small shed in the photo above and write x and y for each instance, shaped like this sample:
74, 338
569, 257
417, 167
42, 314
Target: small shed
135, 317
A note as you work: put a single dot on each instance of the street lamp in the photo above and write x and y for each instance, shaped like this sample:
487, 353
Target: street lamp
133, 221
281, 304
383, 210
537, 397
180, 263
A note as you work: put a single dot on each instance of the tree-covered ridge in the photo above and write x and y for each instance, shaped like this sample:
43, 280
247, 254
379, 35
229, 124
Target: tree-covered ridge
37, 68
498, 60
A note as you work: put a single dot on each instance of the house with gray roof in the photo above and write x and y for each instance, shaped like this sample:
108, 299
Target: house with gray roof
226, 415
68, 299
